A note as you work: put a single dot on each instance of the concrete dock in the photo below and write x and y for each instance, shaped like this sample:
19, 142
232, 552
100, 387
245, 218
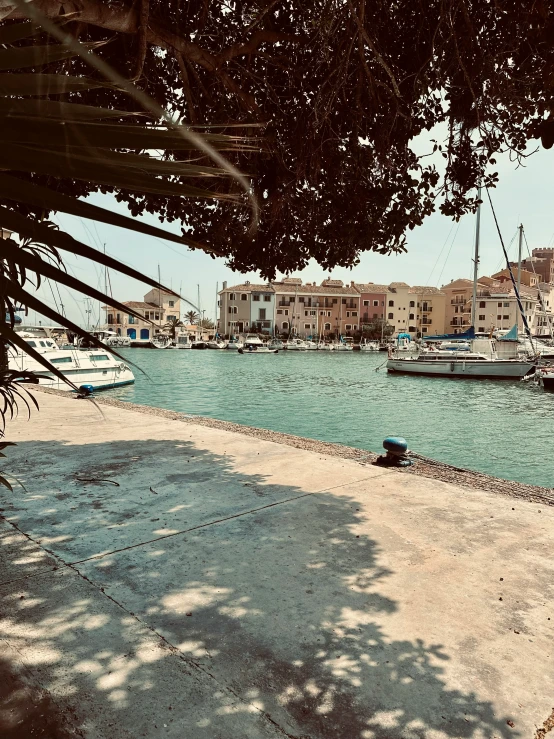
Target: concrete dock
160, 578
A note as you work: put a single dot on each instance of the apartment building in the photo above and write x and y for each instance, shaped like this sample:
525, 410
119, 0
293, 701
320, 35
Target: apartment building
540, 262
372, 301
427, 307
156, 310
246, 307
314, 310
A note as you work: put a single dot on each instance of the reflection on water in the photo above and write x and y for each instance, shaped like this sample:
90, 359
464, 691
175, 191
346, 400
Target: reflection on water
500, 427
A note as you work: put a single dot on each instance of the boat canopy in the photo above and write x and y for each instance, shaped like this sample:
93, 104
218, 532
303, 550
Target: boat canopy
469, 334
510, 336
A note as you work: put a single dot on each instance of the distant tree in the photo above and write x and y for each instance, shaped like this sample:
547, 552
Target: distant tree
206, 323
191, 316
376, 328
172, 325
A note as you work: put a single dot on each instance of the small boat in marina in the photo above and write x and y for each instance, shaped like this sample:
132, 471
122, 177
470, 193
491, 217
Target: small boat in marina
325, 346
296, 345
343, 346
275, 344
95, 367
216, 344
234, 344
256, 349
311, 345
369, 346
160, 342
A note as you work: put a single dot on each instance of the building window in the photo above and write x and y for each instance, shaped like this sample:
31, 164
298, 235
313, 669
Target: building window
144, 333
328, 314
354, 314
110, 318
132, 333
424, 329
118, 318
256, 298
411, 316
286, 311
267, 298
131, 319
327, 327
355, 327
307, 325
482, 304
172, 304
262, 314
412, 304
391, 303
285, 325
348, 327
375, 303
313, 313
500, 305
348, 314
391, 315
498, 318
481, 318
481, 329
366, 302
375, 315
335, 301
506, 317
171, 318
506, 305
232, 296
279, 312
233, 309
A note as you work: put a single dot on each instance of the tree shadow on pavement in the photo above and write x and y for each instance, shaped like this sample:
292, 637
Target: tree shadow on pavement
270, 622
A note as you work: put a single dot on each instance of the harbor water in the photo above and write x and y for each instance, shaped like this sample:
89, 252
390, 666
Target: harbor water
503, 428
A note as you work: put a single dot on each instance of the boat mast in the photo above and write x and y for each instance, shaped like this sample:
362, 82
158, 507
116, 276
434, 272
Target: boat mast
520, 229
159, 299
476, 259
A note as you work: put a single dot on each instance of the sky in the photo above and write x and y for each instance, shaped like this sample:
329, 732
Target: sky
438, 251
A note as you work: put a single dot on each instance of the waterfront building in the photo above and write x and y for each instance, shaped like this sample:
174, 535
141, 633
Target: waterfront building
426, 311
541, 261
329, 309
372, 301
530, 279
156, 310
397, 309
246, 307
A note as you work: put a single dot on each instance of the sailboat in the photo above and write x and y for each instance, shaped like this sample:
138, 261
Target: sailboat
481, 361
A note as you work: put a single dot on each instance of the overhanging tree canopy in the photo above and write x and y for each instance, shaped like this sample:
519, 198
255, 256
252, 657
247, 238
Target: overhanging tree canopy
343, 88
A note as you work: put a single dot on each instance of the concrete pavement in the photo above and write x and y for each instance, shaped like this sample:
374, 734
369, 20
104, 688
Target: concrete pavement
236, 587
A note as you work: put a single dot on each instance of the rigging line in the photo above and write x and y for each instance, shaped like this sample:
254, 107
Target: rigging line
499, 267
549, 320
448, 255
523, 316
440, 254
53, 296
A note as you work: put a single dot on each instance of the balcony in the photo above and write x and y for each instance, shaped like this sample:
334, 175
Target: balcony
459, 322
458, 301
427, 308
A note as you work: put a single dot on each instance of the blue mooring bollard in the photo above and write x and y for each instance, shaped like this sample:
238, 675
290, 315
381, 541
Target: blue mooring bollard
396, 448
85, 391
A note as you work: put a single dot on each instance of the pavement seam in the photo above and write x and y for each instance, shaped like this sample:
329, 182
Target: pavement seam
165, 536
187, 660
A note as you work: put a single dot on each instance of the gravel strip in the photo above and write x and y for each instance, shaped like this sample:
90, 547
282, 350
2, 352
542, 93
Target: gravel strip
423, 467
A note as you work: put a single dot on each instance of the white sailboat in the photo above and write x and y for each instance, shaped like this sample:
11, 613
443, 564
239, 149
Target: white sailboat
482, 361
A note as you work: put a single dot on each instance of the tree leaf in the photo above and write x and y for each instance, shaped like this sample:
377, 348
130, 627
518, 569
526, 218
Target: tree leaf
6, 484
45, 84
13, 188
55, 238
38, 56
41, 108
17, 31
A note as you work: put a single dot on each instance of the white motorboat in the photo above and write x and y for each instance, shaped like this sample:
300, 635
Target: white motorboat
255, 349
216, 344
252, 340
275, 344
369, 346
546, 378
94, 367
161, 342
324, 346
296, 345
234, 345
182, 341
311, 345
342, 346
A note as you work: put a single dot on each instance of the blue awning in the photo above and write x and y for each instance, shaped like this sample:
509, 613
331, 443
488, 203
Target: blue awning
469, 334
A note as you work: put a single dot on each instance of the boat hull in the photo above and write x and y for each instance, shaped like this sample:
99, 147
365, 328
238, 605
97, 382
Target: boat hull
509, 369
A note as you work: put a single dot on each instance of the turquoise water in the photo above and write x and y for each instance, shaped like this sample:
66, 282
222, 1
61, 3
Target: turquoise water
500, 427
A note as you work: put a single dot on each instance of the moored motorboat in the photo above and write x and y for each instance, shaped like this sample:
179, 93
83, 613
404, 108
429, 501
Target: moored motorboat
296, 345
95, 367
369, 346
255, 349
